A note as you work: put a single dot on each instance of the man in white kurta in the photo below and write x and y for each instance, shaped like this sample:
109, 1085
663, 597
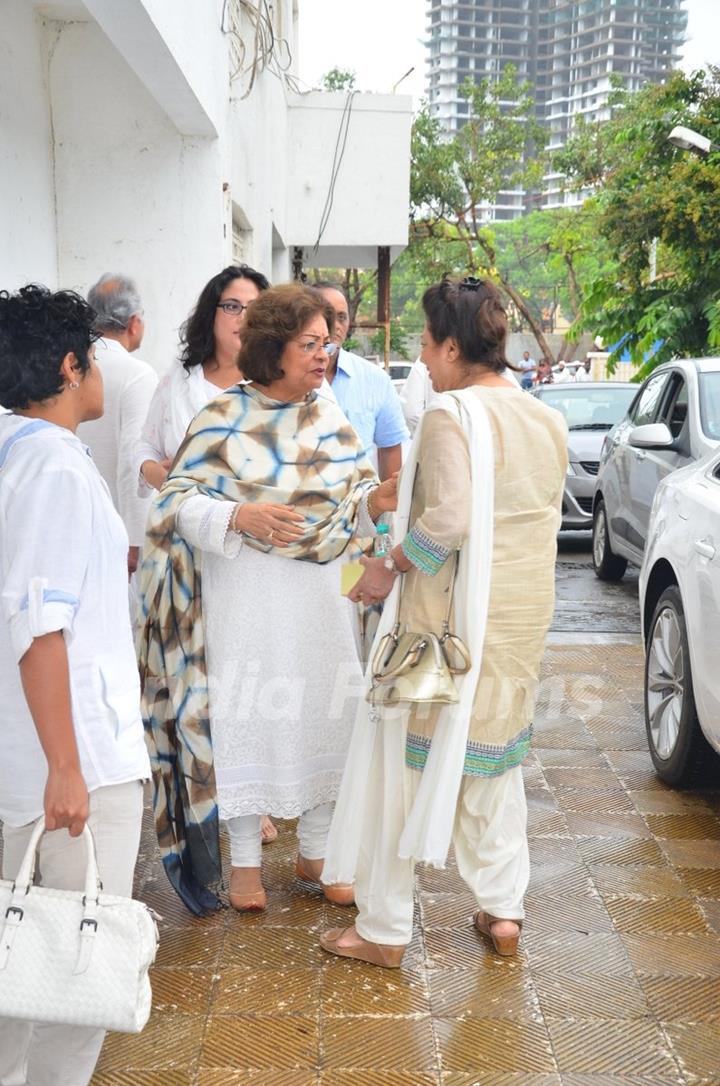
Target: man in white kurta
129, 384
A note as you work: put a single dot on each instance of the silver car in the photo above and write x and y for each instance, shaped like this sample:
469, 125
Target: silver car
591, 409
680, 608
673, 421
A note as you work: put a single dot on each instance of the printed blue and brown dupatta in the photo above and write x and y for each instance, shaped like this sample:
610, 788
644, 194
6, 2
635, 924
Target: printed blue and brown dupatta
241, 447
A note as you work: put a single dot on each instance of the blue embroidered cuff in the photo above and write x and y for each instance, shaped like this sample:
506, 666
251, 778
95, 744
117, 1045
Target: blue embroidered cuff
424, 553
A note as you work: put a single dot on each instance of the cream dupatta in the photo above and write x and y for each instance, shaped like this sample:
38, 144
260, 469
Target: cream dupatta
428, 828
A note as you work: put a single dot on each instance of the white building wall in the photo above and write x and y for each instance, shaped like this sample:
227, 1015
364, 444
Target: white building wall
133, 194
126, 146
27, 206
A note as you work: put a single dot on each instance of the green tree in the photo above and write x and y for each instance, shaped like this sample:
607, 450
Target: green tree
453, 178
338, 79
655, 204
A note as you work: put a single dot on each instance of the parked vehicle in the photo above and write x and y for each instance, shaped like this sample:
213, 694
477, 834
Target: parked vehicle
680, 606
673, 421
591, 409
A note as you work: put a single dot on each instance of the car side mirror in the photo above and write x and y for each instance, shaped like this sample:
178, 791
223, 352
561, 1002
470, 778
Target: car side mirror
654, 435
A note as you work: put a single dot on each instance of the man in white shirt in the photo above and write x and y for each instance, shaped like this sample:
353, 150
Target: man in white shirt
528, 366
129, 385
582, 373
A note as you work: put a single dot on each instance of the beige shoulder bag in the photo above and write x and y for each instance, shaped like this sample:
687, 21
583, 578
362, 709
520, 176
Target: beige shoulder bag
419, 667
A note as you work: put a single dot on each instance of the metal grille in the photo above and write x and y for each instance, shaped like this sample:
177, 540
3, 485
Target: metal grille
585, 504
590, 467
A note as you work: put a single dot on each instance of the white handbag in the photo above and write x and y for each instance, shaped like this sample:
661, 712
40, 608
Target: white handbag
72, 957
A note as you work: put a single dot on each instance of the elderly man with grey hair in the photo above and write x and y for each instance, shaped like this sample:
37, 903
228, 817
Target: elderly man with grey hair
129, 386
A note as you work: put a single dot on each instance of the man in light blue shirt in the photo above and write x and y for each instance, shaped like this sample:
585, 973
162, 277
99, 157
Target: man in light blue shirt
365, 394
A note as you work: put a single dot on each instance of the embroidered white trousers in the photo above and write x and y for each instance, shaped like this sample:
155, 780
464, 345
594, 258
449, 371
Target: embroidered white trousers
246, 837
39, 1054
489, 836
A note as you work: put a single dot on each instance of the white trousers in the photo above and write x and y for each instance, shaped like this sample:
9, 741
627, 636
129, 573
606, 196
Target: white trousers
38, 1054
489, 835
246, 838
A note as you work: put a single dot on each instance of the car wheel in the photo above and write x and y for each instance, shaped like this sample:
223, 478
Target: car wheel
608, 566
678, 747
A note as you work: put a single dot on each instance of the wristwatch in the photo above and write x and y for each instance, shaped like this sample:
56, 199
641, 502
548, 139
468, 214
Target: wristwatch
390, 564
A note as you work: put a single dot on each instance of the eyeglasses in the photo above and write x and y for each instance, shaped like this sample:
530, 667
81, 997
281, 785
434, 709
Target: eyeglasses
312, 345
232, 308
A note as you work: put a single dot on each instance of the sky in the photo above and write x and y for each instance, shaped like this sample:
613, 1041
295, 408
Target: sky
381, 39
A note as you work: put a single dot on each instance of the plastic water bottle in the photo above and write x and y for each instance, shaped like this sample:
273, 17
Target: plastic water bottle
381, 544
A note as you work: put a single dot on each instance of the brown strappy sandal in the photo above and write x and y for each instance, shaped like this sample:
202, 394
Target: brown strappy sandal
387, 957
505, 945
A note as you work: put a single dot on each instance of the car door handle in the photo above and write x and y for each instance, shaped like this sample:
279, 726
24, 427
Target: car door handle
705, 548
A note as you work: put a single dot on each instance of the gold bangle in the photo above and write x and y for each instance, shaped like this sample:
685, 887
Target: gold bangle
233, 521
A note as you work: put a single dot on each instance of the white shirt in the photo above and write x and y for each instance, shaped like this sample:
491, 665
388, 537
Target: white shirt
129, 385
416, 394
63, 566
582, 374
176, 401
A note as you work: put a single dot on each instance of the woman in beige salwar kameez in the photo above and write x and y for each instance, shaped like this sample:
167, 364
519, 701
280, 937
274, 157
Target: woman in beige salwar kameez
490, 464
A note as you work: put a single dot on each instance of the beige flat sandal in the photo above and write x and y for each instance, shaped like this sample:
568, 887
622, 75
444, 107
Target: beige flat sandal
254, 901
505, 945
341, 894
388, 957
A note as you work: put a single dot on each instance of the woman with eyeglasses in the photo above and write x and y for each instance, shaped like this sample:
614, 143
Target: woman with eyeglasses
210, 341
247, 655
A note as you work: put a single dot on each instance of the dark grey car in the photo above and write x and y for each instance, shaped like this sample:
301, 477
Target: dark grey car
591, 409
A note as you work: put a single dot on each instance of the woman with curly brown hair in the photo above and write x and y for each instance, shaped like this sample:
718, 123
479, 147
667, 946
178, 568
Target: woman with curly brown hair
249, 672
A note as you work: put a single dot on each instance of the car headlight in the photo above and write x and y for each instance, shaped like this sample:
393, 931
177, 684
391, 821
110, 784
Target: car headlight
570, 469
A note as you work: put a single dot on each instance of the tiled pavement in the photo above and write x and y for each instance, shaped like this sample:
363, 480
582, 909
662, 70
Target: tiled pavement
617, 982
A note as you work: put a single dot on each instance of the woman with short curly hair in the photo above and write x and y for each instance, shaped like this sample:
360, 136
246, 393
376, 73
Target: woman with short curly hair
70, 729
250, 671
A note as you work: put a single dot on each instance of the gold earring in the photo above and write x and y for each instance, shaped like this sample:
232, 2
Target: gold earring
74, 384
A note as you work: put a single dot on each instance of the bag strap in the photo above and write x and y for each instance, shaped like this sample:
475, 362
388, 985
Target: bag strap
25, 875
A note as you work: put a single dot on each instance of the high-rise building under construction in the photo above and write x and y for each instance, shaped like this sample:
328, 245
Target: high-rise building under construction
566, 49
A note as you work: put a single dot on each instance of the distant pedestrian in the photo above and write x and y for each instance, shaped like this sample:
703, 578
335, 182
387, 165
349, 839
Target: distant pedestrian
561, 374
544, 375
528, 367
582, 373
129, 384
365, 393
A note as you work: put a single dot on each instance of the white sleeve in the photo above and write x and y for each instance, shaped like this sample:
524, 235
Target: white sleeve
47, 546
413, 396
205, 523
134, 406
151, 444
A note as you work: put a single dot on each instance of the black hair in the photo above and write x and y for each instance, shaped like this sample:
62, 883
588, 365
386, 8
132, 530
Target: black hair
473, 314
38, 328
196, 335
327, 284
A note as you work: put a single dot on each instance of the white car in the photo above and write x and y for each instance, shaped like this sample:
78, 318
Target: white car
680, 610
673, 421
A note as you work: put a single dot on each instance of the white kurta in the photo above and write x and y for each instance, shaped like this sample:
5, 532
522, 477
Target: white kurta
284, 679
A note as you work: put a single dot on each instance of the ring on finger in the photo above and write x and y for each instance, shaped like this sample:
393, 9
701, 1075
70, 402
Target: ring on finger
272, 533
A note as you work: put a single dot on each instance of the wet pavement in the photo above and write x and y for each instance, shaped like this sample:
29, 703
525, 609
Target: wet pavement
617, 982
